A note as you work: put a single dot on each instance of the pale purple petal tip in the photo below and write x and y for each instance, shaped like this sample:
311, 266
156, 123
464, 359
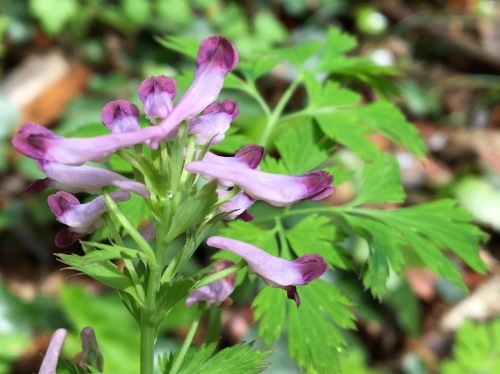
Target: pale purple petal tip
51, 358
216, 292
120, 116
29, 140
237, 206
157, 94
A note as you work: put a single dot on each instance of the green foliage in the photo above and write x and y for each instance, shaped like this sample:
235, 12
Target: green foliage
239, 358
115, 330
476, 349
54, 14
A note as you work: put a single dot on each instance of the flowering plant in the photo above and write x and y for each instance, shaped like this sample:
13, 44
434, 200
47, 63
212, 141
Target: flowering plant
189, 190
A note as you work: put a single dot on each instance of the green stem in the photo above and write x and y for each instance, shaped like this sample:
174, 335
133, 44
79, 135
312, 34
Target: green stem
128, 263
147, 326
304, 211
179, 357
138, 238
251, 89
219, 275
275, 115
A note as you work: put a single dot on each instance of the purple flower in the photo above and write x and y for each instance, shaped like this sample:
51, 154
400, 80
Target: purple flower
83, 178
37, 142
157, 93
216, 57
216, 292
247, 157
213, 124
120, 116
237, 206
275, 271
81, 218
275, 189
49, 363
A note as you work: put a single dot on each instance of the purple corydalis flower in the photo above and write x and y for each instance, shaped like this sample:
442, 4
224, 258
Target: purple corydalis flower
247, 157
83, 178
157, 93
81, 218
37, 142
275, 271
213, 124
49, 363
120, 116
216, 58
275, 189
217, 292
237, 206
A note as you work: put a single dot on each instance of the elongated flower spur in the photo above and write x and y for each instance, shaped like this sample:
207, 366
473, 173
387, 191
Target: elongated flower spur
275, 271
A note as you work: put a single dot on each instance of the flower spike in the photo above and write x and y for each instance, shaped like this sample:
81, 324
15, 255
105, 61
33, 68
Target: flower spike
81, 218
217, 292
275, 271
157, 93
120, 116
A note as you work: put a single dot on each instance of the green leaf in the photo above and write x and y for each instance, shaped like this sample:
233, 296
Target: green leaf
316, 234
384, 249
138, 12
270, 312
273, 165
116, 331
105, 272
386, 118
301, 149
322, 312
98, 252
54, 14
169, 295
427, 229
381, 182
239, 358
185, 46
337, 43
406, 305
476, 349
298, 54
192, 210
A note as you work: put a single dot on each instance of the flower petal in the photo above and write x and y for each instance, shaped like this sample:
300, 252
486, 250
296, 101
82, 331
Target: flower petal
85, 178
51, 358
216, 292
275, 189
275, 271
237, 206
120, 116
212, 126
157, 93
37, 142
216, 57
81, 218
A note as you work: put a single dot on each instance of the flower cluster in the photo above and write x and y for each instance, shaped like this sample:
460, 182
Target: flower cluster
240, 181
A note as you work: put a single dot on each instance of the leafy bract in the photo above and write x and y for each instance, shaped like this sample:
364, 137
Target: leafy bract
314, 338
476, 349
239, 358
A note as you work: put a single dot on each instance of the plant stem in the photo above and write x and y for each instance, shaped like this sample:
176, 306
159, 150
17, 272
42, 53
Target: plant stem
219, 275
275, 115
187, 342
148, 328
